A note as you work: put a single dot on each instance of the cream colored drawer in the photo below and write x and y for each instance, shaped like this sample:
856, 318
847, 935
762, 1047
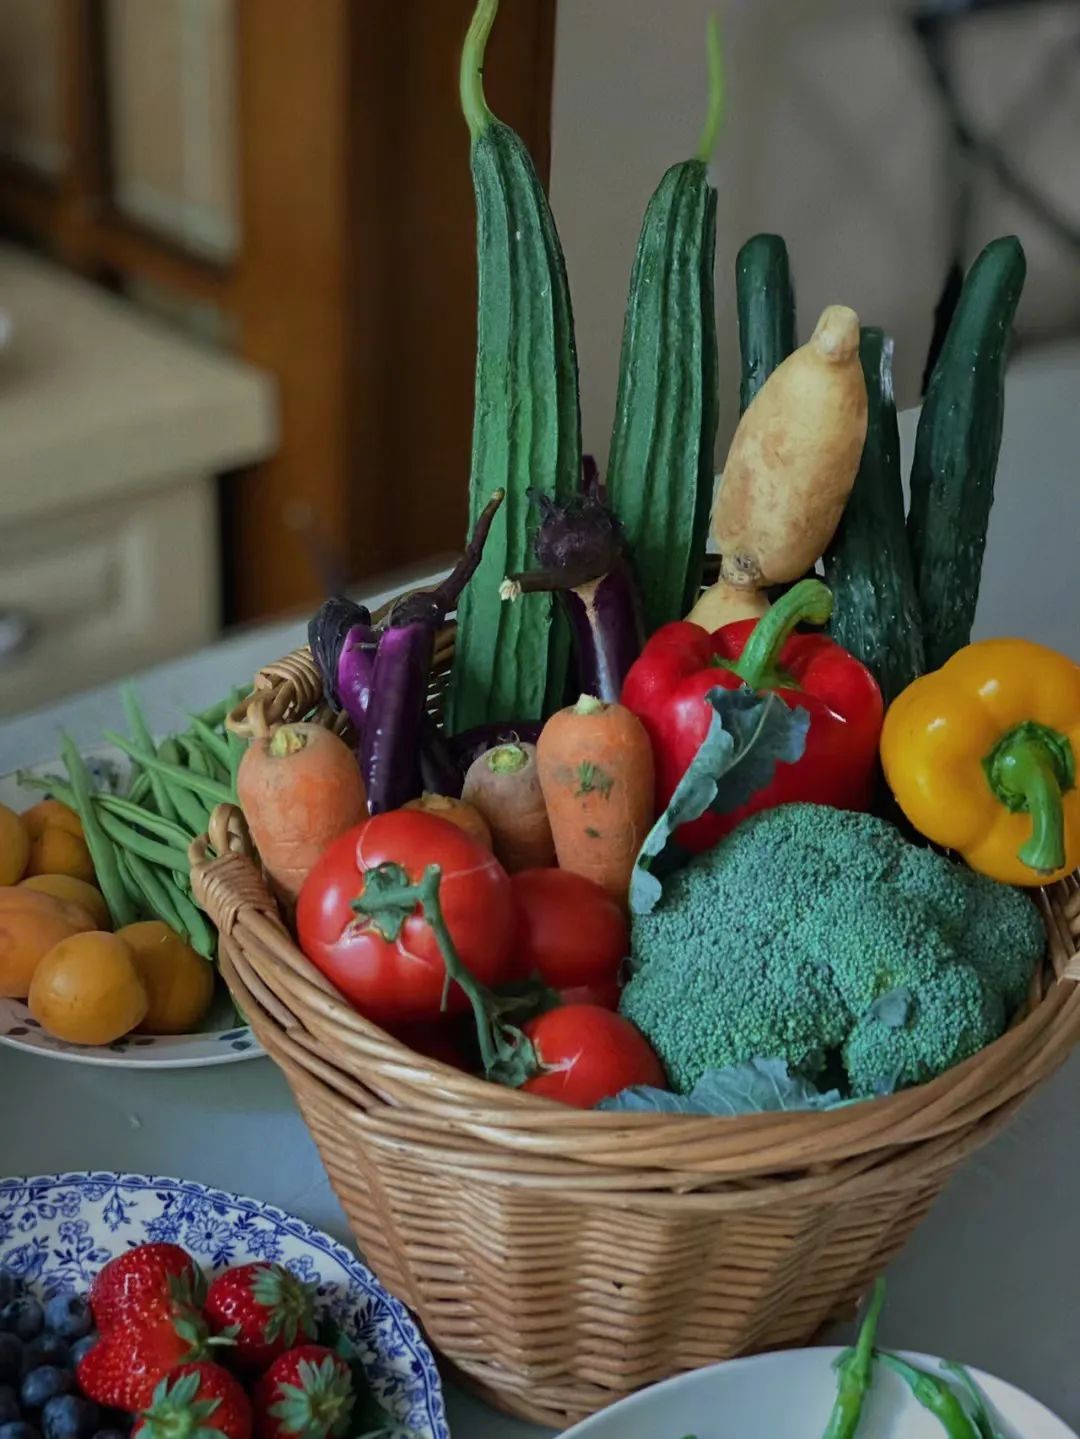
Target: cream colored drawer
102, 591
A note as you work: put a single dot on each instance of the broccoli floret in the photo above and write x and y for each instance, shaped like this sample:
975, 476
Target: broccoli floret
1003, 937
779, 943
950, 1017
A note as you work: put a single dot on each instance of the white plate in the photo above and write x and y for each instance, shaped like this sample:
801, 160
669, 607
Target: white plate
789, 1396
221, 1040
58, 1230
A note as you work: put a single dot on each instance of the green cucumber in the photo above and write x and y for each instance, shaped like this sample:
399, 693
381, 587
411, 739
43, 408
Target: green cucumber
661, 467
868, 564
511, 659
956, 449
766, 305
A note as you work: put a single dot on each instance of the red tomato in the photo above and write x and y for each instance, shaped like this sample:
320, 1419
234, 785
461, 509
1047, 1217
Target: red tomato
394, 981
589, 1054
570, 933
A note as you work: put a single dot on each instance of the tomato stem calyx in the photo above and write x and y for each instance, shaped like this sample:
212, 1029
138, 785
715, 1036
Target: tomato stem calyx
389, 897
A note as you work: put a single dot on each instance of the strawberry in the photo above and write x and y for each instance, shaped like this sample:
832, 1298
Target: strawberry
124, 1366
146, 1279
197, 1401
305, 1394
264, 1310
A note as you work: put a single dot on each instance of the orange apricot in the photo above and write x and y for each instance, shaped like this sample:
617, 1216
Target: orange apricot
75, 891
179, 983
31, 923
14, 846
87, 990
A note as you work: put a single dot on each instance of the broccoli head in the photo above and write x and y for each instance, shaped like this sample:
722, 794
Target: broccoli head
812, 933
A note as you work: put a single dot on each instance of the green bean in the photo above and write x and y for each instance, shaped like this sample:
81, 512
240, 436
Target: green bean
201, 760
165, 855
122, 808
201, 935
237, 749
193, 810
97, 841
135, 894
50, 784
157, 896
210, 789
215, 715
140, 787
140, 733
212, 742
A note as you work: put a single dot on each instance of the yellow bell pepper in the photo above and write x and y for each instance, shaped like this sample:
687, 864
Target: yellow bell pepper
981, 756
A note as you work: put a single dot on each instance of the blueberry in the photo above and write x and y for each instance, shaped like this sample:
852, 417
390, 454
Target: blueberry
69, 1416
10, 1286
24, 1317
11, 1359
68, 1315
43, 1384
83, 1346
105, 1434
9, 1404
18, 1429
46, 1349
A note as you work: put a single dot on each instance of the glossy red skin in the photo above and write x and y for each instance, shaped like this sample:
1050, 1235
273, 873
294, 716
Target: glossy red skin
285, 1372
401, 981
231, 1305
666, 689
136, 1282
597, 1054
232, 1417
570, 934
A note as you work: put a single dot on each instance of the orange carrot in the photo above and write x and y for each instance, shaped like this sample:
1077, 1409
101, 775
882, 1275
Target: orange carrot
299, 789
596, 771
503, 784
458, 811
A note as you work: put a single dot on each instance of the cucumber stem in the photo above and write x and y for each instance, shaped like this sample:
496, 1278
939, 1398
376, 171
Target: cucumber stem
1028, 770
808, 602
715, 113
473, 104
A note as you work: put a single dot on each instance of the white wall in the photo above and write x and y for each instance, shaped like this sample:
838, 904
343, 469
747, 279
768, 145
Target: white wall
833, 139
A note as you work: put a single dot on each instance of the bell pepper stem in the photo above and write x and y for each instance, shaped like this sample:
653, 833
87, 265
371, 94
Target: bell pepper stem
809, 602
1028, 770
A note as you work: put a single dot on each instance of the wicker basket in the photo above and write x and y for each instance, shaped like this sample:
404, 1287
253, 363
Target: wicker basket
562, 1258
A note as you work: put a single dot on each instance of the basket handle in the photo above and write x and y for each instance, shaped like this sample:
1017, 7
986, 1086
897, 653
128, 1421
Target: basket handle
225, 874
286, 690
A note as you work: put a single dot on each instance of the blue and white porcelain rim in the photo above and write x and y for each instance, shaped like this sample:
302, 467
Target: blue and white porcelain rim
300, 1229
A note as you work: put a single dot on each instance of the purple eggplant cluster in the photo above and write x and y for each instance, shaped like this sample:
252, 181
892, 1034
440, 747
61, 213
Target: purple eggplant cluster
581, 554
379, 675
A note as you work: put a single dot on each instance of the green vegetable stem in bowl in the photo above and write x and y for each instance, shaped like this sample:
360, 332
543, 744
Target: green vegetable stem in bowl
139, 841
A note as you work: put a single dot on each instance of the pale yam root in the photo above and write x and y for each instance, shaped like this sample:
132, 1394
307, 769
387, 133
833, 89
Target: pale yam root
793, 459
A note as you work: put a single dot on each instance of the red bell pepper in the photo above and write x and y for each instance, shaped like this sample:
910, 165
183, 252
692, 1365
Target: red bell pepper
682, 662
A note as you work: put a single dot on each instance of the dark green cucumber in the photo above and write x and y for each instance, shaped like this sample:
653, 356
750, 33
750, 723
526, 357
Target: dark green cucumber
956, 450
660, 472
766, 306
511, 658
868, 564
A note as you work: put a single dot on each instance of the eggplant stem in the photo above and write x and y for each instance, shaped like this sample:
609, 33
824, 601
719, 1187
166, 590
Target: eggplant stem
535, 581
446, 594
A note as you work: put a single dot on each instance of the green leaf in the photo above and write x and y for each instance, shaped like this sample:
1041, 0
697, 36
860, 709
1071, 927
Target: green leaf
892, 1009
758, 1086
749, 735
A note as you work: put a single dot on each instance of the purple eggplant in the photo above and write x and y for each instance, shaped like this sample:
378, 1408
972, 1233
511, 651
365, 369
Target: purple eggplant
396, 719
342, 641
582, 557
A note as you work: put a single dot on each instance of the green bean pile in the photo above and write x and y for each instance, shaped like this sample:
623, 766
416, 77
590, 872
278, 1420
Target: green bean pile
139, 841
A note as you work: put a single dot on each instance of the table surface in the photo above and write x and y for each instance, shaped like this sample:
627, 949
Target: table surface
990, 1278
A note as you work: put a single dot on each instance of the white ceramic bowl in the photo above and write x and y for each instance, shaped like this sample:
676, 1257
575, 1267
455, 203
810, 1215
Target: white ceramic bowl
789, 1396
58, 1230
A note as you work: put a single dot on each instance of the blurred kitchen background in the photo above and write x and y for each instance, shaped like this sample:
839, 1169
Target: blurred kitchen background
237, 272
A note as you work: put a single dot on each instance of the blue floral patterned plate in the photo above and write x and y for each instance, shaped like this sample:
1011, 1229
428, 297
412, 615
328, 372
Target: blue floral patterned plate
57, 1230
221, 1038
